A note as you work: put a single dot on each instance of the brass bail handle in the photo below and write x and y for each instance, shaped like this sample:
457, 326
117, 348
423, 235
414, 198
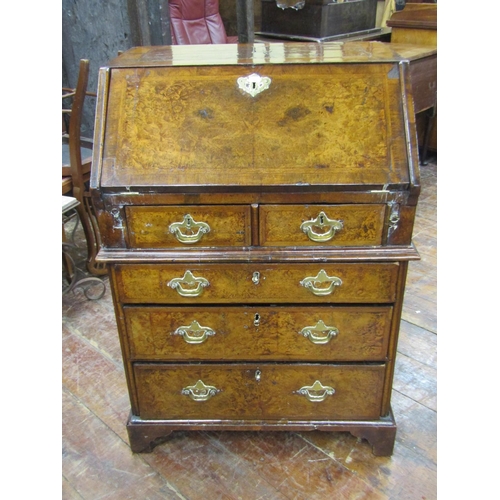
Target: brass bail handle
185, 231
194, 333
319, 334
328, 226
184, 286
316, 392
200, 392
321, 278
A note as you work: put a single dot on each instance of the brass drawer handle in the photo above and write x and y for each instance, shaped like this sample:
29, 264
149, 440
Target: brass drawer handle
316, 392
253, 84
200, 391
194, 333
321, 278
190, 280
323, 222
189, 225
320, 333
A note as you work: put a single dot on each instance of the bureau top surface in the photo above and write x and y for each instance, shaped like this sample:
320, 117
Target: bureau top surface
269, 53
263, 116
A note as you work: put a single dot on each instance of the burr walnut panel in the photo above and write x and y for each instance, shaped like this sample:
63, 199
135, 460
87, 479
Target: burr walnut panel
189, 126
188, 226
258, 333
336, 225
256, 283
258, 391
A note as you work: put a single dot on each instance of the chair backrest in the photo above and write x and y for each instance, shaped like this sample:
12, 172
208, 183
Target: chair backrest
77, 168
196, 22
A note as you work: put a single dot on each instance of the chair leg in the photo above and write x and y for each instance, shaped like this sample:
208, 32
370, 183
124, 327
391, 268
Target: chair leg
93, 220
66, 260
92, 238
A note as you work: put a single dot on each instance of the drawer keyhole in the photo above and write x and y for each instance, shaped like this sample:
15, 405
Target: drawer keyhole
256, 319
257, 375
256, 277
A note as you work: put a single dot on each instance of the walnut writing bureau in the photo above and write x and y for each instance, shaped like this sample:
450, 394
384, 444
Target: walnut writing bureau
256, 205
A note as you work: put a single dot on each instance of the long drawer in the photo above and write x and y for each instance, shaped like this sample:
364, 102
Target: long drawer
188, 226
259, 391
315, 225
257, 283
329, 333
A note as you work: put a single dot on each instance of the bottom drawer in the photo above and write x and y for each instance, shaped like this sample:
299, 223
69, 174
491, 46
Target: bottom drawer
259, 391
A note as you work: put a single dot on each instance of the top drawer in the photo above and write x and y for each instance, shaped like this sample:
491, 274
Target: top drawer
332, 225
188, 226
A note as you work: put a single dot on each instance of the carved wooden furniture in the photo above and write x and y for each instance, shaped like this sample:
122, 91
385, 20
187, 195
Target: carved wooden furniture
319, 20
417, 24
93, 287
256, 205
76, 163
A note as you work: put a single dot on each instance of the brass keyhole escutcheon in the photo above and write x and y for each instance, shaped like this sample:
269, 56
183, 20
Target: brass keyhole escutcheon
256, 278
258, 373
253, 84
256, 319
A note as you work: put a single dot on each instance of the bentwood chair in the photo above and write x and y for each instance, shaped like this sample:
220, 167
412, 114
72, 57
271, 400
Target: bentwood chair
77, 161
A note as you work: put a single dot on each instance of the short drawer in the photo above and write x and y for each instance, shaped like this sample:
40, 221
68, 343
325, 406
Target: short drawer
257, 283
259, 391
329, 333
188, 226
317, 225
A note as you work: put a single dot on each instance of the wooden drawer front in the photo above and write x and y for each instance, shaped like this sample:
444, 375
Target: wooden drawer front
188, 226
257, 283
258, 391
258, 333
333, 225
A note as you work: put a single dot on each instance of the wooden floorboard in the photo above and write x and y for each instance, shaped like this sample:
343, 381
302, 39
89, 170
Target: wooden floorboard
97, 462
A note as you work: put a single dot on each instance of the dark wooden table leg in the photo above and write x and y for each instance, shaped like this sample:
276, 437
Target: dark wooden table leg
431, 120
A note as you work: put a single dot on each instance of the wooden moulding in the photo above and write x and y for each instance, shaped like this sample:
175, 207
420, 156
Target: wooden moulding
416, 17
256, 254
144, 435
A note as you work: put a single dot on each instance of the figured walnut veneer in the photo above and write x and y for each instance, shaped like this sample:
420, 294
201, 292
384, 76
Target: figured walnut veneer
171, 125
258, 243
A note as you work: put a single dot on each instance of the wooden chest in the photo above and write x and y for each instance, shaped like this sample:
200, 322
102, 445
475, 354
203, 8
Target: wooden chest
317, 18
256, 205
